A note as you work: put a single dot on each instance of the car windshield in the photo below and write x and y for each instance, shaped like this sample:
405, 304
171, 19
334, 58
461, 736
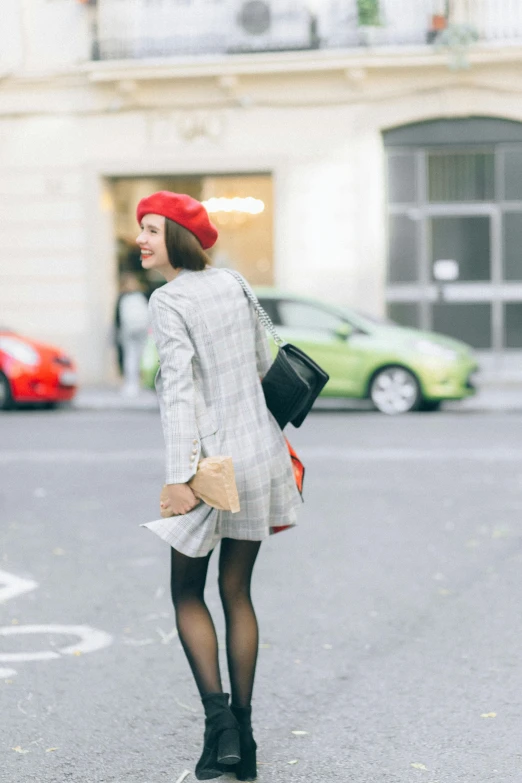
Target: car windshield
357, 318
297, 314
302, 314
376, 319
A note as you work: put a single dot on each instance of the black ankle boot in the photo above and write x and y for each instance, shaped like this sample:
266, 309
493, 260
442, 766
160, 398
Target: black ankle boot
221, 743
246, 769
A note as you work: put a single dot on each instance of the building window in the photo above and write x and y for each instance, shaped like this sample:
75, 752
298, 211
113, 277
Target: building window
469, 322
403, 261
455, 196
402, 179
465, 239
404, 313
512, 245
456, 177
513, 325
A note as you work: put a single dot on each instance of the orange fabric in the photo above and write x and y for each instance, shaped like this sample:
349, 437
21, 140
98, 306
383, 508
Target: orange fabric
298, 467
299, 472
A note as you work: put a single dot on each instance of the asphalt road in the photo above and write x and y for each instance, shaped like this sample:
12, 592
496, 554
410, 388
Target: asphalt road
391, 618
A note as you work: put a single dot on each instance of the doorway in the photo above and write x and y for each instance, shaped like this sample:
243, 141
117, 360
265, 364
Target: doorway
456, 201
241, 207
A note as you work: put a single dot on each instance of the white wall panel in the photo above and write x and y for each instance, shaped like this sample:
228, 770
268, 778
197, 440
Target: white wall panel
42, 266
43, 293
29, 235
51, 182
10, 36
40, 209
56, 34
64, 325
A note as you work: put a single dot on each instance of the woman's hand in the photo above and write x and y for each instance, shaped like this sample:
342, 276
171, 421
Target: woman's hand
177, 499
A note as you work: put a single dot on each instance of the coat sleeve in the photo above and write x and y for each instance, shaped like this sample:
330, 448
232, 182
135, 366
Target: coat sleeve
263, 355
175, 388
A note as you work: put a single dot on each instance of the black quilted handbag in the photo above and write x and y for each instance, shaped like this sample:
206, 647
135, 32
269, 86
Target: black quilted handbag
294, 380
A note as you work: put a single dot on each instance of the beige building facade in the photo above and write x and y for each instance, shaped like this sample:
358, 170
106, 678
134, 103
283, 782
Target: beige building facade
76, 122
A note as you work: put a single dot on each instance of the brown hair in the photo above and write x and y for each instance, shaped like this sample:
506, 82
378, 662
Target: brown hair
183, 248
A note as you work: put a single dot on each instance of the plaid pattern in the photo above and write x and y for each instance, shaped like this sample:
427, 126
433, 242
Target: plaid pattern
212, 352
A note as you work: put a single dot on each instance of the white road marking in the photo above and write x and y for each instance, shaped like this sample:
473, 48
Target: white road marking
185, 706
166, 638
84, 456
14, 585
90, 640
142, 562
138, 642
398, 454
307, 452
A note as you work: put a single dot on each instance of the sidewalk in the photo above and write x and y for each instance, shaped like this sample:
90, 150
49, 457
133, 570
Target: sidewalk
102, 398
490, 397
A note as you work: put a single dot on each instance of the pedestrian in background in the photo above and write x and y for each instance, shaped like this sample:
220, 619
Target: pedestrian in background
213, 353
132, 324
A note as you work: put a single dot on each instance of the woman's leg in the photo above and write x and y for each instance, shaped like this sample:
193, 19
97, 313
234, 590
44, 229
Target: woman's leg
195, 627
221, 744
236, 563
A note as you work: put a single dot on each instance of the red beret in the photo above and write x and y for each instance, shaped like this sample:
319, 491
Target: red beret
182, 209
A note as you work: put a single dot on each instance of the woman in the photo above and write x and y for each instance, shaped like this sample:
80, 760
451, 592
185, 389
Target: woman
213, 353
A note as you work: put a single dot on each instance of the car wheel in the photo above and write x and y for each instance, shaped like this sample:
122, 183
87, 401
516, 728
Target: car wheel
6, 398
430, 406
395, 390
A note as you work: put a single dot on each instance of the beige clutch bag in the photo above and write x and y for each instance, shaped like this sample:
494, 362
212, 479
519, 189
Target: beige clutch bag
214, 484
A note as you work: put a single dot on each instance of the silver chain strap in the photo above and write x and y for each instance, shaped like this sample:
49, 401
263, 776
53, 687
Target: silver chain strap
261, 312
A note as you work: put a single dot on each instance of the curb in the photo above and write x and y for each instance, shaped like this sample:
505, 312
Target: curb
111, 399
487, 400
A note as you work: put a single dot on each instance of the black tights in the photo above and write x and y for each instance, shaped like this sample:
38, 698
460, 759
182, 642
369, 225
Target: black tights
196, 629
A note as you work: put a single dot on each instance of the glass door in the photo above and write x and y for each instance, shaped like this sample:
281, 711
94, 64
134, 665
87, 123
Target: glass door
462, 206
464, 307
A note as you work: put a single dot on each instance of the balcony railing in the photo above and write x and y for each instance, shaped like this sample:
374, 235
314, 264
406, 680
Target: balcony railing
178, 28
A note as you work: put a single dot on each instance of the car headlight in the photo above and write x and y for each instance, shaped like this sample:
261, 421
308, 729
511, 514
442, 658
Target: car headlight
19, 351
436, 350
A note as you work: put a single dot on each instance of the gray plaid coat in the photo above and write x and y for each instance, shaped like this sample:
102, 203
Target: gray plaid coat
212, 352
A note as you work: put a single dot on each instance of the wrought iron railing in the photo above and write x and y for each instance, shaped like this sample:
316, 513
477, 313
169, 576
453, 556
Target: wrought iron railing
178, 28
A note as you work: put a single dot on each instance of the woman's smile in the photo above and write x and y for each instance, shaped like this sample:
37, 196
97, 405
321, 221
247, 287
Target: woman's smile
152, 235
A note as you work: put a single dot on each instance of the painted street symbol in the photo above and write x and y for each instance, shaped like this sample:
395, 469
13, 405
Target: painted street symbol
87, 639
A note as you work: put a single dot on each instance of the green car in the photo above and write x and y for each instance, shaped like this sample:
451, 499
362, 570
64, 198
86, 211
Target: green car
398, 369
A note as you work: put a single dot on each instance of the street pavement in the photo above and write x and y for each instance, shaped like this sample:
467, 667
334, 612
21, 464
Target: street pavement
391, 622
492, 395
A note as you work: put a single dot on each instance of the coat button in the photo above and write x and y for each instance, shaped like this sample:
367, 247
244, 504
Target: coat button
195, 442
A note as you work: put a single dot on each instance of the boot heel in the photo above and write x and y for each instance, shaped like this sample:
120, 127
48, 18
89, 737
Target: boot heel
228, 747
247, 767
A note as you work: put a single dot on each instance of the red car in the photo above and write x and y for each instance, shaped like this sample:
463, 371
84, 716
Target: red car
32, 372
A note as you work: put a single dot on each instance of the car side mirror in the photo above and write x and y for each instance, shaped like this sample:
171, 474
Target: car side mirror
344, 331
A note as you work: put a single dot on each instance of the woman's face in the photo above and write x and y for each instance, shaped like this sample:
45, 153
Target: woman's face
151, 241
